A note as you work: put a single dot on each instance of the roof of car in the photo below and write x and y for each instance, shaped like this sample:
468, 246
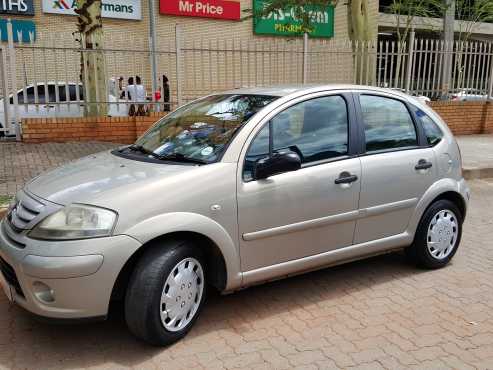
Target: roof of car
283, 90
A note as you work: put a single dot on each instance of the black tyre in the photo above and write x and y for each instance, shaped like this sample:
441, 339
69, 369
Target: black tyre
166, 292
438, 235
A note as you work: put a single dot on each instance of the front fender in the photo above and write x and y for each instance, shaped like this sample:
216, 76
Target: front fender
191, 222
441, 186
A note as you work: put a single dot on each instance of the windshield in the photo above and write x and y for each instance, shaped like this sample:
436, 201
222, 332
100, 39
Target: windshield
201, 130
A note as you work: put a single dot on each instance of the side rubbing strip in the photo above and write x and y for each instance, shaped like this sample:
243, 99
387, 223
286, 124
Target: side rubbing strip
335, 219
318, 222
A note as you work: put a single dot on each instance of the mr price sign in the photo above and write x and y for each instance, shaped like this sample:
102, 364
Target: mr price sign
221, 9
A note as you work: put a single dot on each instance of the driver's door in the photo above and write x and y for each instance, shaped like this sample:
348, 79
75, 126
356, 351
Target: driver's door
305, 212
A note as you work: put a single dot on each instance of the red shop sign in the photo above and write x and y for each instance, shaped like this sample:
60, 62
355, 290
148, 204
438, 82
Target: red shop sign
221, 9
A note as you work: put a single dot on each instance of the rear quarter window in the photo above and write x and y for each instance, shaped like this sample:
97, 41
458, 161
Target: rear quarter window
432, 131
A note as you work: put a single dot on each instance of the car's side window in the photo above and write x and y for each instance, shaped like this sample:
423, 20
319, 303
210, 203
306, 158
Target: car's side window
387, 124
316, 129
433, 133
73, 92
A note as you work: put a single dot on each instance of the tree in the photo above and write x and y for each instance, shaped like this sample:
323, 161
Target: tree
469, 13
405, 13
93, 73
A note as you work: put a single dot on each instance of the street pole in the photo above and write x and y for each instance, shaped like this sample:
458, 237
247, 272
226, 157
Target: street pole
305, 58
152, 39
448, 45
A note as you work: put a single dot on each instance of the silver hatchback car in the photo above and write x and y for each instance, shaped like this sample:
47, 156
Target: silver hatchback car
231, 190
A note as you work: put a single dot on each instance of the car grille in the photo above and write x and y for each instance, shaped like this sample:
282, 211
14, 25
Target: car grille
24, 212
9, 274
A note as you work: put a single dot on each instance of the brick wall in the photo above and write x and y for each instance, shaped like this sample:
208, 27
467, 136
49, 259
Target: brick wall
112, 129
466, 118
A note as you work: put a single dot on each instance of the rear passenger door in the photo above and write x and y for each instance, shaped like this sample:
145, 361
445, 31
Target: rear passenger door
397, 166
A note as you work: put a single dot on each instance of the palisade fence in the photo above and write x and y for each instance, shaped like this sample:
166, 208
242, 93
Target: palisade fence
42, 77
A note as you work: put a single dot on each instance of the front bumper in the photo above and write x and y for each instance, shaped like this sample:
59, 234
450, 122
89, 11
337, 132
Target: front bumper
63, 279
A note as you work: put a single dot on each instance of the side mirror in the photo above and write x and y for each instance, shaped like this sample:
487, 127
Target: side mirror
279, 163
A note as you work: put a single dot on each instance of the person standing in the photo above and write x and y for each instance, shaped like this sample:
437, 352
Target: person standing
141, 95
166, 94
130, 96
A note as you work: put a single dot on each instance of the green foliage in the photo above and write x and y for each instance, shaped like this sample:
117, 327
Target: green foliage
5, 200
417, 8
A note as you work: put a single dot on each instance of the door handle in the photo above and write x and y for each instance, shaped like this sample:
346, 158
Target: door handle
423, 164
345, 178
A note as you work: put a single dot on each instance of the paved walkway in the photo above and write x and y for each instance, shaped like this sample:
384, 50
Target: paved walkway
20, 162
477, 155
379, 313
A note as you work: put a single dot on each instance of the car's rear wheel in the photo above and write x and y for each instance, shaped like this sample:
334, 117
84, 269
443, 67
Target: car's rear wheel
166, 292
438, 235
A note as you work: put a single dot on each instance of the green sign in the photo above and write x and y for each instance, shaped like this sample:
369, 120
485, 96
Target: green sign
285, 23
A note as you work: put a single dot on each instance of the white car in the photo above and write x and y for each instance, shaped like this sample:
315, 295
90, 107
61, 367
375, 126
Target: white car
468, 95
421, 98
71, 102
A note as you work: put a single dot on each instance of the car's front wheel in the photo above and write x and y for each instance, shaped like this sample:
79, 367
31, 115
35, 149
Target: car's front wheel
166, 292
438, 235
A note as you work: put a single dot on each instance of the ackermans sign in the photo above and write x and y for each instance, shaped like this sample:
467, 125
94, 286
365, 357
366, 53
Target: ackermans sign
121, 9
221, 9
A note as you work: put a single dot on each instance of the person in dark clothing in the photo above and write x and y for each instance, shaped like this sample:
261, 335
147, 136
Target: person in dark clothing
166, 94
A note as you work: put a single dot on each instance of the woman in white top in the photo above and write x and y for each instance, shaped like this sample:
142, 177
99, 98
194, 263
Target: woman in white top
136, 93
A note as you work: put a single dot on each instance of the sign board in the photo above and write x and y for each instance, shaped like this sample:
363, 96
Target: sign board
19, 28
285, 22
21, 7
119, 9
220, 9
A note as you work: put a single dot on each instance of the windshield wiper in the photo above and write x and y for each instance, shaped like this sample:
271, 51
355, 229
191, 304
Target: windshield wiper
178, 157
140, 148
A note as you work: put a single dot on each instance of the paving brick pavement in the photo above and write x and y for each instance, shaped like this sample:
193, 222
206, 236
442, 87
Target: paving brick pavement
20, 162
379, 313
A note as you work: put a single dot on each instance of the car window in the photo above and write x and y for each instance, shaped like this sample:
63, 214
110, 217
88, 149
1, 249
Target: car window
72, 89
51, 93
387, 123
258, 149
29, 96
433, 133
62, 93
41, 94
316, 130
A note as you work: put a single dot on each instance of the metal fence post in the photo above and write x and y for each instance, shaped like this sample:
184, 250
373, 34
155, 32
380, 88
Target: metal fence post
152, 44
13, 76
305, 58
178, 41
410, 58
5, 90
490, 89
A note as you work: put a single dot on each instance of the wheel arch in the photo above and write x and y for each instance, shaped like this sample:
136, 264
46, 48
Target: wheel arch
222, 256
448, 189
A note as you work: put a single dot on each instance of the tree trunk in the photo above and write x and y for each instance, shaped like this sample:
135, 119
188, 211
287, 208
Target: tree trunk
361, 34
93, 73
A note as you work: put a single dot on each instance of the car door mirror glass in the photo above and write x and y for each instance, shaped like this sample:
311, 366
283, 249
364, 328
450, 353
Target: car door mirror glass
281, 162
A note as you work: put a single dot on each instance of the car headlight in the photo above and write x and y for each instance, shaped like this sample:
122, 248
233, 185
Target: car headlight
75, 221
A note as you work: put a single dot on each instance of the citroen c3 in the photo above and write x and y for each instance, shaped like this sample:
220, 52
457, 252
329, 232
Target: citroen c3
231, 190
